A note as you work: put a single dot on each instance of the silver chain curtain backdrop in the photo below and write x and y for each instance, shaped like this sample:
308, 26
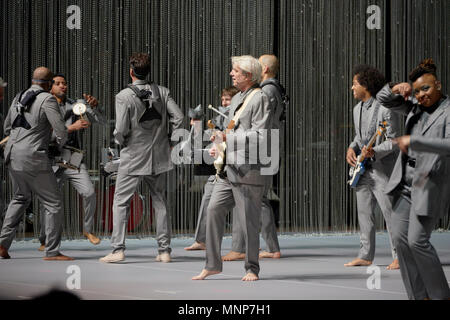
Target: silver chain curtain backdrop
190, 43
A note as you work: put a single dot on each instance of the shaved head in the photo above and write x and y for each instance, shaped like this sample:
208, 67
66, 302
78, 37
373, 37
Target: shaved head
271, 62
42, 73
43, 77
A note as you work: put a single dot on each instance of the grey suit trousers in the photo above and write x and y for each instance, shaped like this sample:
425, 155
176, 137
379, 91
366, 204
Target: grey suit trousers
200, 231
268, 226
369, 191
126, 186
420, 266
83, 184
43, 185
247, 202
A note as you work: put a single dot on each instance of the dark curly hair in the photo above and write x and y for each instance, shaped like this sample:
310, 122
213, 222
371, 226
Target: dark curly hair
370, 78
426, 66
140, 63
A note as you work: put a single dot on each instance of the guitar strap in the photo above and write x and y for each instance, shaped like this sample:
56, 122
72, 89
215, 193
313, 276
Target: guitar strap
373, 122
237, 115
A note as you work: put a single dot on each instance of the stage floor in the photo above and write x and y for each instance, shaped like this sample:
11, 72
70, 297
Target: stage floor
311, 267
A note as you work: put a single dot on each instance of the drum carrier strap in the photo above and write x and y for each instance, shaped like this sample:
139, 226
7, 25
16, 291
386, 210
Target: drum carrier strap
146, 96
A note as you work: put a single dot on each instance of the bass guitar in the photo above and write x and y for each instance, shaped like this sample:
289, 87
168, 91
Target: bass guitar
361, 163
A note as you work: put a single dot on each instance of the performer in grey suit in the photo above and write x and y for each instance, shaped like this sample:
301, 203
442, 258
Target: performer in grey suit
272, 88
242, 185
142, 114
367, 115
420, 181
32, 116
78, 178
200, 232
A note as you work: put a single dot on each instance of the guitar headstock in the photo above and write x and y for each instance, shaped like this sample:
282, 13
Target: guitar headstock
211, 124
382, 127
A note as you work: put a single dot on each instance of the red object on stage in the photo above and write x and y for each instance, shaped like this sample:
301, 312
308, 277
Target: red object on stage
136, 211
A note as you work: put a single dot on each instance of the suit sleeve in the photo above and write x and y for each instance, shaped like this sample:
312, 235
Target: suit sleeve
392, 131
122, 128
95, 115
176, 116
395, 102
51, 109
433, 144
356, 143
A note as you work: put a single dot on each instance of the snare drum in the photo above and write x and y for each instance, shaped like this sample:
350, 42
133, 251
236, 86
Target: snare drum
70, 158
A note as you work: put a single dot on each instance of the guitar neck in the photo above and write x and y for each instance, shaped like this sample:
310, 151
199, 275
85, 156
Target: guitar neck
372, 141
379, 132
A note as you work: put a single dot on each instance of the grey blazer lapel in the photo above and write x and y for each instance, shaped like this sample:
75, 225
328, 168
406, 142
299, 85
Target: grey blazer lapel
432, 119
371, 115
358, 113
413, 112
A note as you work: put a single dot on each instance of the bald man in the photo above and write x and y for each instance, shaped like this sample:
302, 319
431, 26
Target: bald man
31, 118
273, 89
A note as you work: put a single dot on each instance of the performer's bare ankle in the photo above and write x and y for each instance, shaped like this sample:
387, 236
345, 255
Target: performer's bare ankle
205, 273
250, 277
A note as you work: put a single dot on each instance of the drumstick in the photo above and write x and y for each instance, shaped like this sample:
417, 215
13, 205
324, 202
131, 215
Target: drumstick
214, 109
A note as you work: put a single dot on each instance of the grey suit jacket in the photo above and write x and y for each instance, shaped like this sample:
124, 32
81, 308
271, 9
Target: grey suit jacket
94, 116
276, 101
249, 131
385, 154
27, 150
430, 191
146, 148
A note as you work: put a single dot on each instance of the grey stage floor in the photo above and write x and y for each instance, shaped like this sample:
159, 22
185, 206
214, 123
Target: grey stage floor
311, 268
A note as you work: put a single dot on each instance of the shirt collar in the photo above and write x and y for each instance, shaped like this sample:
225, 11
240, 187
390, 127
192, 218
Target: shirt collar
368, 103
140, 82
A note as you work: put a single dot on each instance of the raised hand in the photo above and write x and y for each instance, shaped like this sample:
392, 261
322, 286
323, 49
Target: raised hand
92, 101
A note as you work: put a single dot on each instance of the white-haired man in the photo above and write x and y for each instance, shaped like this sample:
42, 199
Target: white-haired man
241, 185
274, 90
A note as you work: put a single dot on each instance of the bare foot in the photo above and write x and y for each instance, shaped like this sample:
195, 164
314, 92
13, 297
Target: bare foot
205, 273
233, 256
358, 263
196, 246
394, 265
250, 277
272, 255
